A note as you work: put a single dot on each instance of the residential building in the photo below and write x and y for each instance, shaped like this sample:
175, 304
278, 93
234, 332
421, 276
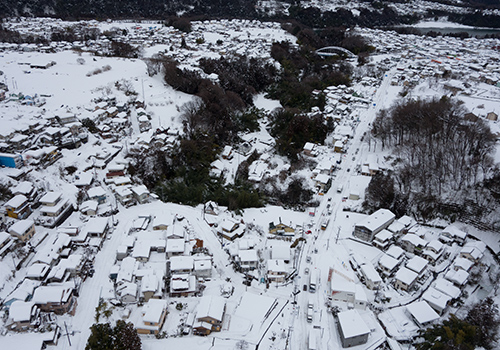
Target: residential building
373, 224
18, 207
23, 230
154, 313
210, 315
405, 279
353, 330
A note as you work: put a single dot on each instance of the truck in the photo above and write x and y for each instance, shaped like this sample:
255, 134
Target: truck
325, 223
313, 280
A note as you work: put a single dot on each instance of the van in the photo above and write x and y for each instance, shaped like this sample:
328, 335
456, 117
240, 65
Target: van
340, 188
310, 312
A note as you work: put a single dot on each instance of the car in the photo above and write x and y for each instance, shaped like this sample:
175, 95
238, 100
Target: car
308, 259
306, 270
329, 199
348, 169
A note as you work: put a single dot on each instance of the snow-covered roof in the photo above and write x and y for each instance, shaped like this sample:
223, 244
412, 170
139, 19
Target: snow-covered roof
276, 265
97, 225
96, 192
395, 251
20, 311
388, 262
463, 263
422, 312
51, 197
202, 264
153, 310
352, 324
436, 298
16, 201
24, 187
383, 235
211, 306
181, 263
414, 240
417, 264
248, 255
447, 288
377, 219
370, 273
20, 227
453, 231
406, 276
52, 294
175, 245
458, 277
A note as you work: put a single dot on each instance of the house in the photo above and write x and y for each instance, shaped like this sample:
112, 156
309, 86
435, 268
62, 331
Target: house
227, 153
140, 193
371, 276
373, 224
492, 116
151, 285
97, 227
310, 149
154, 313
211, 208
210, 311
124, 195
25, 188
161, 223
417, 264
412, 243
462, 264
422, 313
433, 251
23, 230
38, 271
343, 289
473, 250
395, 251
353, 330
388, 264
451, 234
281, 229
127, 292
436, 299
405, 279
203, 267
247, 259
382, 239
281, 252
276, 270
447, 288
321, 181
457, 277
23, 315
54, 208
5, 243
181, 264
231, 229
57, 298
18, 207
183, 285
175, 247
97, 194
89, 207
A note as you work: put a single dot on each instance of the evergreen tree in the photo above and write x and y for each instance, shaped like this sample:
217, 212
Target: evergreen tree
121, 337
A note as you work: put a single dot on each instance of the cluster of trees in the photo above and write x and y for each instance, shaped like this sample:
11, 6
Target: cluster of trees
479, 329
438, 156
292, 129
123, 336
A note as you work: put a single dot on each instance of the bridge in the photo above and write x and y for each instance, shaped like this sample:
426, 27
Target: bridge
334, 51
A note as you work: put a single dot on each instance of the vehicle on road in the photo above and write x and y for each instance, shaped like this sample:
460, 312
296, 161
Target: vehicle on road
306, 271
340, 188
310, 312
313, 280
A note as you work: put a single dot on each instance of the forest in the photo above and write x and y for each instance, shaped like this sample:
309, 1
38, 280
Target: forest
442, 162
